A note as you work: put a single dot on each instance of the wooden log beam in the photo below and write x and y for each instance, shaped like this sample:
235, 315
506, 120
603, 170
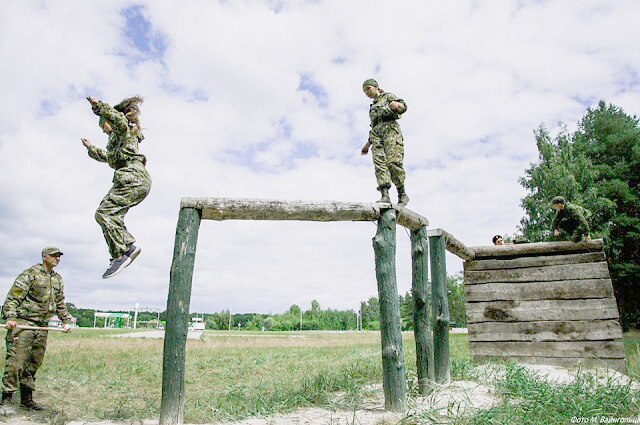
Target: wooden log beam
530, 291
522, 311
271, 209
453, 245
578, 330
536, 248
421, 313
539, 274
608, 349
175, 340
538, 261
394, 378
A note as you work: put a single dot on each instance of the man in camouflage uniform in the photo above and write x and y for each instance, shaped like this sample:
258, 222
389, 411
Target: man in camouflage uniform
571, 220
385, 138
36, 295
131, 181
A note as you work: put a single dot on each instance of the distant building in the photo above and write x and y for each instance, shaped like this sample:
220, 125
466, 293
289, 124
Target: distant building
55, 322
112, 320
196, 324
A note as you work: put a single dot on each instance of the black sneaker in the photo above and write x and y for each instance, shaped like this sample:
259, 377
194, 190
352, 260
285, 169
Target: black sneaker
120, 263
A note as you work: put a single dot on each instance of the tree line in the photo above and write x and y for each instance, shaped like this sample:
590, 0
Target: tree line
295, 319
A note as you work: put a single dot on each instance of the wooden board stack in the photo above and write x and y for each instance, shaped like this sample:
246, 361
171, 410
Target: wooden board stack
543, 303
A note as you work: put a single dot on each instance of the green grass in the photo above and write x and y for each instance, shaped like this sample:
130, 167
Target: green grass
89, 375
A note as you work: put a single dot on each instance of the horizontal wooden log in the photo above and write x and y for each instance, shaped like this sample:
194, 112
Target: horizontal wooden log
453, 245
610, 349
528, 311
270, 209
539, 274
613, 364
580, 330
561, 290
512, 250
540, 261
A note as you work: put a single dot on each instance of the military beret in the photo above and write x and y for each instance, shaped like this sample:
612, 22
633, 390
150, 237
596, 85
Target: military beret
370, 82
51, 250
558, 200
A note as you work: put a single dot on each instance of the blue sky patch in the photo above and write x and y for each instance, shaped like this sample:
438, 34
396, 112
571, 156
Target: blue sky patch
308, 84
138, 31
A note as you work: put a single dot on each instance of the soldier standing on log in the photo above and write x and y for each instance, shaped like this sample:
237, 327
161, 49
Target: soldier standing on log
36, 295
385, 138
131, 181
570, 220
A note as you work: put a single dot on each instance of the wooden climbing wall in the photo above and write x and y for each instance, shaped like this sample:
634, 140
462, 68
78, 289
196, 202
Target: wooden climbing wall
543, 303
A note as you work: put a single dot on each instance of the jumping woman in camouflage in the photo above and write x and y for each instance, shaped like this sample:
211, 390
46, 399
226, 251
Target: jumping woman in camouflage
131, 181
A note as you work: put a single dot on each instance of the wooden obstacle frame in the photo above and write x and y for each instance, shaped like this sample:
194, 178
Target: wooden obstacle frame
430, 365
543, 303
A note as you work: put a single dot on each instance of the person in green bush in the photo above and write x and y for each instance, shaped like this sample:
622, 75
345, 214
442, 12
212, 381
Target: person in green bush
570, 221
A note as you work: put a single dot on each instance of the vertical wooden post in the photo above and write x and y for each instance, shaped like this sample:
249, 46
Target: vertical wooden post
175, 338
421, 319
440, 308
394, 379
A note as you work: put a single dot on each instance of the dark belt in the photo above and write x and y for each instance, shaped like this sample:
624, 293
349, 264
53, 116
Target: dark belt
381, 120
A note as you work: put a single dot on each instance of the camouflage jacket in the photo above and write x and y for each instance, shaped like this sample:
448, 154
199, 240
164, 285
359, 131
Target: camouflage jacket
122, 147
36, 295
572, 219
380, 111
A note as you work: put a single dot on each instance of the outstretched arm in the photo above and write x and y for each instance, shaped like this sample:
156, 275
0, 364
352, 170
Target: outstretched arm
116, 119
96, 153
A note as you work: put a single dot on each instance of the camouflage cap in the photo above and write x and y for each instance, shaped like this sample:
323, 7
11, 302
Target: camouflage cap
370, 82
51, 250
558, 200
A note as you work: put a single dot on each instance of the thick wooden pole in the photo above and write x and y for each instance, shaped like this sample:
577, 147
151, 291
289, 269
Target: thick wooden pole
394, 379
421, 318
440, 306
175, 339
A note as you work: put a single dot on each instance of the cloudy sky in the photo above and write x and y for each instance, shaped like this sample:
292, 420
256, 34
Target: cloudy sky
263, 99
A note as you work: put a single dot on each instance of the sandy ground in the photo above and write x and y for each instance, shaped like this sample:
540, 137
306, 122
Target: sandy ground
446, 400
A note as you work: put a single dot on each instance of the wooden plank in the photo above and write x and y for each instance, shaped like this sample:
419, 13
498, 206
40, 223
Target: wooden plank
527, 311
453, 245
540, 261
497, 251
579, 330
394, 378
614, 364
537, 274
611, 349
561, 290
272, 209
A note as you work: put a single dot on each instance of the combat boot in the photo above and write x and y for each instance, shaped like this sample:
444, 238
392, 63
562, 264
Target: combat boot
6, 407
26, 399
403, 198
384, 199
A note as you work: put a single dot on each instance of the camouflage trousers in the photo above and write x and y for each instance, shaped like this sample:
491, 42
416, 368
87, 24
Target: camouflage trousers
131, 184
387, 150
25, 352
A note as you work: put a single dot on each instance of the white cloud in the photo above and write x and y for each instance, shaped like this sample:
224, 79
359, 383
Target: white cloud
224, 116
